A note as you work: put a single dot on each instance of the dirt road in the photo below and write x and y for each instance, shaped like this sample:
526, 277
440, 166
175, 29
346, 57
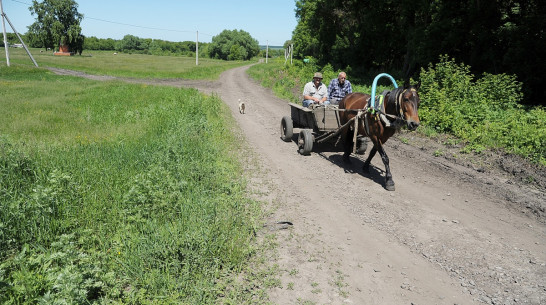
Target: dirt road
451, 233
447, 235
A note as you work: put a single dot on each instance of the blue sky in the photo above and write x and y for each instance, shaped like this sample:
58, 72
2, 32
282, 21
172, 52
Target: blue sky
270, 22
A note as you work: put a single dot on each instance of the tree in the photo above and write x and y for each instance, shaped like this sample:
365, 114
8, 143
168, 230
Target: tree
11, 38
77, 44
497, 36
57, 22
233, 45
287, 44
130, 43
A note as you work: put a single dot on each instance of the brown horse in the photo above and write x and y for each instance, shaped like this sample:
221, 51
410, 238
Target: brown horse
399, 108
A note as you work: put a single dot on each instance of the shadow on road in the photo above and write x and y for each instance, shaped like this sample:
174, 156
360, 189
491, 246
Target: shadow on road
334, 154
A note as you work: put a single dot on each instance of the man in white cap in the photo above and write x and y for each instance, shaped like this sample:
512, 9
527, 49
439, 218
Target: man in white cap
315, 92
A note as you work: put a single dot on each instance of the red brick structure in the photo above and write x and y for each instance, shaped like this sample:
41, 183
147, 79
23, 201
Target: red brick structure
64, 51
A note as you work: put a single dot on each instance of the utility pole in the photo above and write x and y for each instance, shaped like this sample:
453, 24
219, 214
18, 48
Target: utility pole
5, 36
16, 33
197, 49
291, 51
288, 53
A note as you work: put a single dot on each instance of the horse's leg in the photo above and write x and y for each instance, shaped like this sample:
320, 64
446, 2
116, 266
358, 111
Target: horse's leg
389, 183
366, 167
348, 145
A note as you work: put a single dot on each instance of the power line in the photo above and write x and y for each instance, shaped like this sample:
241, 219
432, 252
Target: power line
146, 27
132, 25
21, 2
137, 26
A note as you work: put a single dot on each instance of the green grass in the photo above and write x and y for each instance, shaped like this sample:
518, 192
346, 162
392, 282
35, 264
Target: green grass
119, 193
125, 65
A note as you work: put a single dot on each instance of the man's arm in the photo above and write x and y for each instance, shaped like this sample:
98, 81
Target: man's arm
307, 91
330, 89
324, 94
308, 97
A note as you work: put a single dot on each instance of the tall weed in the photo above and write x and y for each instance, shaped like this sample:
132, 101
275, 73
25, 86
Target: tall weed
132, 194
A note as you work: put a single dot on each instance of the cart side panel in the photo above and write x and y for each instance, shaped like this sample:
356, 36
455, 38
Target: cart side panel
331, 118
309, 120
320, 118
302, 116
327, 118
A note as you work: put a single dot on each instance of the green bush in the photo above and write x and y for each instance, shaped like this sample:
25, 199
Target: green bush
62, 274
484, 112
34, 208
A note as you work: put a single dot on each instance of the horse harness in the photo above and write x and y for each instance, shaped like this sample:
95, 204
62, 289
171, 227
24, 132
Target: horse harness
388, 120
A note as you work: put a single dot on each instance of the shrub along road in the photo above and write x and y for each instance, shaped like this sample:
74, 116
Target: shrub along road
453, 232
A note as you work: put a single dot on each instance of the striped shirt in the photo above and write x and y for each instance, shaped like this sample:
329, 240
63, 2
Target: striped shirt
338, 91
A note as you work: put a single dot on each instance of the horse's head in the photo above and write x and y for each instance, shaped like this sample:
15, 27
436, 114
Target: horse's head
408, 106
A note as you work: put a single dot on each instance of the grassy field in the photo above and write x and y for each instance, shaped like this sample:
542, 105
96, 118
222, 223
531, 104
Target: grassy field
125, 65
120, 193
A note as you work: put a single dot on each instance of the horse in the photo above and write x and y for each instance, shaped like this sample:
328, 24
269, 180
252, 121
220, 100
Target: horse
400, 108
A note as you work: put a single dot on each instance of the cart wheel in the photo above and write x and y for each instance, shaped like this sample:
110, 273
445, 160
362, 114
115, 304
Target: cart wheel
361, 145
305, 142
286, 129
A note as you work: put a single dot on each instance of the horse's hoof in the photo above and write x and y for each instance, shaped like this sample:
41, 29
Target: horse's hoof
389, 185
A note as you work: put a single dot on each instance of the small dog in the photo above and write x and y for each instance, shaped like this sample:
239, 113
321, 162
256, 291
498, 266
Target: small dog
241, 107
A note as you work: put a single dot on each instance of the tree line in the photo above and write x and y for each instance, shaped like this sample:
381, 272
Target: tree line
228, 45
366, 37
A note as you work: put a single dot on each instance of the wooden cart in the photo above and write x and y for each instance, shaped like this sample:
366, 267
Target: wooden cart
317, 124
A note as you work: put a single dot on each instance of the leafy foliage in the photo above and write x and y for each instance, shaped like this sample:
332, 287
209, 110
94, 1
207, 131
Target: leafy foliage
233, 45
62, 274
404, 36
131, 43
484, 112
57, 23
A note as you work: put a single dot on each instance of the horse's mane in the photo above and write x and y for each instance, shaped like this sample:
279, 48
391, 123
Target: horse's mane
390, 97
393, 95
